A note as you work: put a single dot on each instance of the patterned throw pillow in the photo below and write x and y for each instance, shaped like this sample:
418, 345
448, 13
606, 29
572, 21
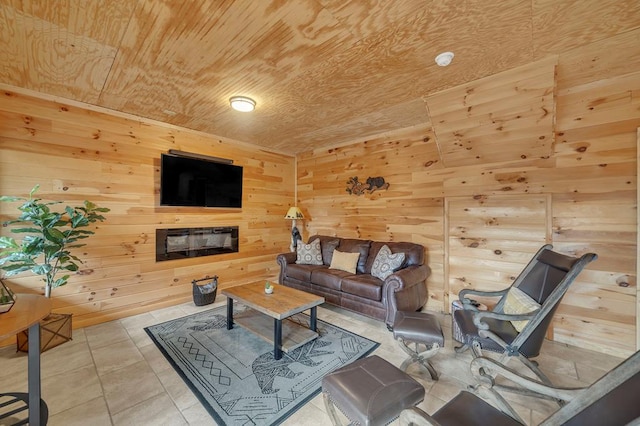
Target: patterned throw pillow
309, 254
344, 261
386, 262
519, 302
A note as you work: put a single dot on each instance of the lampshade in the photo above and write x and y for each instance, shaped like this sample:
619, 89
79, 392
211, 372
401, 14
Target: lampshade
242, 103
294, 213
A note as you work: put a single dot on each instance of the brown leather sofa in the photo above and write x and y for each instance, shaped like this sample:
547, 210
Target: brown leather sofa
403, 290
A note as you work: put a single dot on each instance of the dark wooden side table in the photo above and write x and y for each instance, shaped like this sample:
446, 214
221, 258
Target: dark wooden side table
26, 313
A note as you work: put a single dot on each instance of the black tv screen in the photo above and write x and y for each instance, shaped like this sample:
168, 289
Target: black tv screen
194, 182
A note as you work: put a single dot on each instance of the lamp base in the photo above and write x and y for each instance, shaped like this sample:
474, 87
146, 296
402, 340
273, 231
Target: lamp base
295, 236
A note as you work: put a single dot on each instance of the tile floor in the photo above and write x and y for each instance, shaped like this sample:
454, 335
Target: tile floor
113, 374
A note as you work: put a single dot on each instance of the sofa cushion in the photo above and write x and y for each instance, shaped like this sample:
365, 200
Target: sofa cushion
302, 272
413, 253
386, 263
309, 254
356, 246
328, 246
363, 285
344, 261
329, 278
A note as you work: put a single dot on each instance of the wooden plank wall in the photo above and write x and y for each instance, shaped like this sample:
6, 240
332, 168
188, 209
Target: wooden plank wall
579, 157
76, 152
489, 238
496, 120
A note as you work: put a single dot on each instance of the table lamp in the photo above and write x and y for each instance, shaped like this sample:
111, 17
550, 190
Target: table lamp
294, 213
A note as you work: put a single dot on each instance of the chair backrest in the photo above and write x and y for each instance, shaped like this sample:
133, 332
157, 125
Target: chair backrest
612, 400
546, 279
548, 271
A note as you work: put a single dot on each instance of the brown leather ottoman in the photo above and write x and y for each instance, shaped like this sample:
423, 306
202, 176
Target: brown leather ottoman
370, 391
420, 329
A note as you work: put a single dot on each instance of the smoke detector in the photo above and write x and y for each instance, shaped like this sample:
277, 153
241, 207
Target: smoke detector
444, 59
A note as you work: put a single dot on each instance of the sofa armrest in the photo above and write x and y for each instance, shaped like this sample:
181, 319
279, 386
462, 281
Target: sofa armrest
283, 260
406, 278
405, 290
286, 258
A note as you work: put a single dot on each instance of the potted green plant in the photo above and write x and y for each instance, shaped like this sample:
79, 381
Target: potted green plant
49, 237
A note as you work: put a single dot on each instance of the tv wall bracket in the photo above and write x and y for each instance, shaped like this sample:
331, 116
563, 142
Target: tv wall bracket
179, 153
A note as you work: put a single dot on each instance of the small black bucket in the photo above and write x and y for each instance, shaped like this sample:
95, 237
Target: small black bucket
205, 290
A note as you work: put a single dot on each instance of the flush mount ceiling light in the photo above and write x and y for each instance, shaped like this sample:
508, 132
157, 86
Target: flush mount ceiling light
444, 58
242, 103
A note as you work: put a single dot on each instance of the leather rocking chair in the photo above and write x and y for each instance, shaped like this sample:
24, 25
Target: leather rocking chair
517, 325
611, 401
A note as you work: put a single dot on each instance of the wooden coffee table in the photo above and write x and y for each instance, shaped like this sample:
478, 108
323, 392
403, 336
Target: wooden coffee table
279, 305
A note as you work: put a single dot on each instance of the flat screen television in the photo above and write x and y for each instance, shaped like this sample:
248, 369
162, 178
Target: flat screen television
196, 182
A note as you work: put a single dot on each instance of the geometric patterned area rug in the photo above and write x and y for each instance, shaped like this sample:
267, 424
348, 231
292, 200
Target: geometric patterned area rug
234, 375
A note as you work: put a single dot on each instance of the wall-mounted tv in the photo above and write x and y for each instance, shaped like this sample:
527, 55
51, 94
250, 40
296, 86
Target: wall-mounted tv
197, 182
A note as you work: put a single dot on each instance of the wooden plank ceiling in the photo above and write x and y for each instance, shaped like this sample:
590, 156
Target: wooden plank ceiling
321, 71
